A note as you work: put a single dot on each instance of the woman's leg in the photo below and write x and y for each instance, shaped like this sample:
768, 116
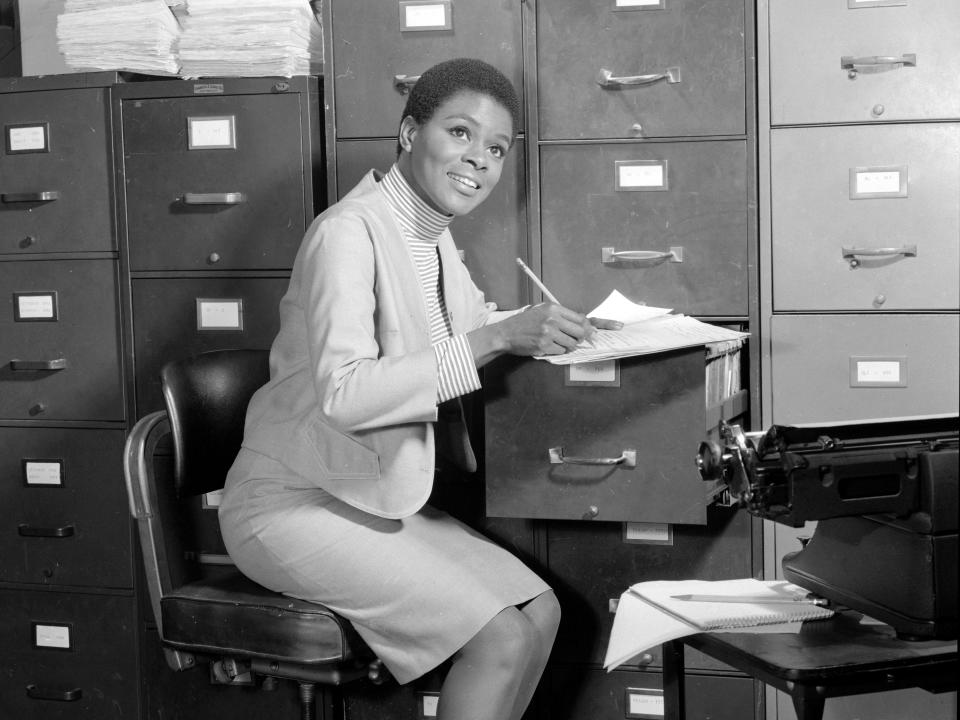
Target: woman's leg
494, 675
544, 614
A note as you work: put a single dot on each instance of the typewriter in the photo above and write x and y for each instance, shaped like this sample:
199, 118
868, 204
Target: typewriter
884, 495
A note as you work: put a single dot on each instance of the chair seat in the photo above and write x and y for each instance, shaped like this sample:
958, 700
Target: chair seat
232, 615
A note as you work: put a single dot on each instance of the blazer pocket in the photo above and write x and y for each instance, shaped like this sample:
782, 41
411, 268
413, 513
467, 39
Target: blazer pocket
339, 456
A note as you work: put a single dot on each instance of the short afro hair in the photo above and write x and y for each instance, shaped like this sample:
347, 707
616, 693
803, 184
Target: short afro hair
444, 80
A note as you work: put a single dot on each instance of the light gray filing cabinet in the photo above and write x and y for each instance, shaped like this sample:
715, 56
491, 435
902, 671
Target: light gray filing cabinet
66, 574
859, 149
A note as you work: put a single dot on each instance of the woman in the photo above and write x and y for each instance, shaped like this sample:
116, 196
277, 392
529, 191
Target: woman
381, 332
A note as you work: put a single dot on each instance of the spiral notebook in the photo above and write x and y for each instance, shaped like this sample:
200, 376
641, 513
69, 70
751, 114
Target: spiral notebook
731, 603
649, 614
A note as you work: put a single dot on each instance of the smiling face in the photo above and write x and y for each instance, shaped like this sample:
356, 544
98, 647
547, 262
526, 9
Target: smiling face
454, 160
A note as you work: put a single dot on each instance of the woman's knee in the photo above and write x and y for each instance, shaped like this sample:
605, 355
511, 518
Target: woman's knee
544, 613
509, 638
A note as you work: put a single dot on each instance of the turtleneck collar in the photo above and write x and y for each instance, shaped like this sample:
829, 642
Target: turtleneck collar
416, 218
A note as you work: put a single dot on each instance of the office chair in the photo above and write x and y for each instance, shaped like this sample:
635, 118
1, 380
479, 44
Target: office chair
206, 610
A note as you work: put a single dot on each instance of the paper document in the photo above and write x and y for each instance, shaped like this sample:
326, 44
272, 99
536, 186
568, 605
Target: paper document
649, 613
646, 330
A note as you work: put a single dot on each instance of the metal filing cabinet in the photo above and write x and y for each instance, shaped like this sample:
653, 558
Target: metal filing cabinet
66, 574
376, 51
858, 152
862, 250
220, 179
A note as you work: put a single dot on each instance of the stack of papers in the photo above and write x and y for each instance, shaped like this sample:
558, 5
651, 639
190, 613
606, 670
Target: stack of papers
646, 330
254, 38
123, 35
657, 611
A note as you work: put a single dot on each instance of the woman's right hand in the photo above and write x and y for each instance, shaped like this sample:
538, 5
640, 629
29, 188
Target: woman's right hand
544, 329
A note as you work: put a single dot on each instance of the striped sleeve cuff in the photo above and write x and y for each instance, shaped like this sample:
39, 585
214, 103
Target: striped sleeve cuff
456, 368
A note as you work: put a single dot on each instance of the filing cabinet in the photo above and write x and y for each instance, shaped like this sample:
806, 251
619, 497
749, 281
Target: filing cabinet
66, 571
580, 693
863, 61
56, 663
859, 258
642, 179
641, 68
665, 223
368, 93
861, 252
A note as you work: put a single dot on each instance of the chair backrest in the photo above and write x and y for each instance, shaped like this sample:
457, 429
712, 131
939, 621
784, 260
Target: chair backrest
206, 397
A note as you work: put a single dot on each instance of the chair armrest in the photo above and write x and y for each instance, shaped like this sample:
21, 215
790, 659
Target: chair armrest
138, 461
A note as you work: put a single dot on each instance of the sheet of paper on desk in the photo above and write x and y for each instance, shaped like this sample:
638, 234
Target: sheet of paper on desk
646, 330
639, 626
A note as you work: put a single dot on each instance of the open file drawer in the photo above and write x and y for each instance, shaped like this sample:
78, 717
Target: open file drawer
619, 449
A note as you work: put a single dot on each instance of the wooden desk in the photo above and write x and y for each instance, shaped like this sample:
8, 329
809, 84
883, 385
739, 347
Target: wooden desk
827, 658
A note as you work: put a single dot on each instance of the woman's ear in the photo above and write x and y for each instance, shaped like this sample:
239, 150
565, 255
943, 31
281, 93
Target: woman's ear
408, 130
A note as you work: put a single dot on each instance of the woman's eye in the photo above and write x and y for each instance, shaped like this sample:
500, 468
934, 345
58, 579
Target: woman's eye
498, 152
459, 132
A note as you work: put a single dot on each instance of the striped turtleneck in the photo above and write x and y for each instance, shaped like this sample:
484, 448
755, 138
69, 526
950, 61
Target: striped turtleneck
421, 227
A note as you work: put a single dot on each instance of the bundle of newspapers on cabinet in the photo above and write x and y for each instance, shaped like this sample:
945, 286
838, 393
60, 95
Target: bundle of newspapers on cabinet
192, 38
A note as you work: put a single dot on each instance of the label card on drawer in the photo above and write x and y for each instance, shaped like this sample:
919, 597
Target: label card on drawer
644, 703
639, 4
211, 132
644, 533
640, 175
605, 373
35, 306
56, 637
878, 372
878, 182
419, 15
32, 138
219, 314
43, 473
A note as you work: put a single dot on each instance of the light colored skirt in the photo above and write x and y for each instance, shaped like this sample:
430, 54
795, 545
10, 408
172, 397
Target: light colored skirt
416, 589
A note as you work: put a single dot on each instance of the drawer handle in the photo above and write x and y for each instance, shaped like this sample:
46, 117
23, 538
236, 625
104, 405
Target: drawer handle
628, 458
876, 63
25, 530
38, 365
853, 254
27, 197
607, 79
38, 693
609, 255
227, 198
403, 83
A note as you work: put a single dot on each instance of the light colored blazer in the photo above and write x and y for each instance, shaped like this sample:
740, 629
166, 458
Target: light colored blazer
352, 394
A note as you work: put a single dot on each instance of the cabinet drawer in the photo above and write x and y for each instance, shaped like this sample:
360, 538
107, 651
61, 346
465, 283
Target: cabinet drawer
55, 172
592, 564
59, 354
810, 69
178, 317
866, 217
593, 694
65, 514
690, 197
56, 663
845, 368
657, 409
410, 36
489, 238
220, 181
700, 41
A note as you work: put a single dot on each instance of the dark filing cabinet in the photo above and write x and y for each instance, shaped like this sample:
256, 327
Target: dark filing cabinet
635, 170
219, 179
66, 573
